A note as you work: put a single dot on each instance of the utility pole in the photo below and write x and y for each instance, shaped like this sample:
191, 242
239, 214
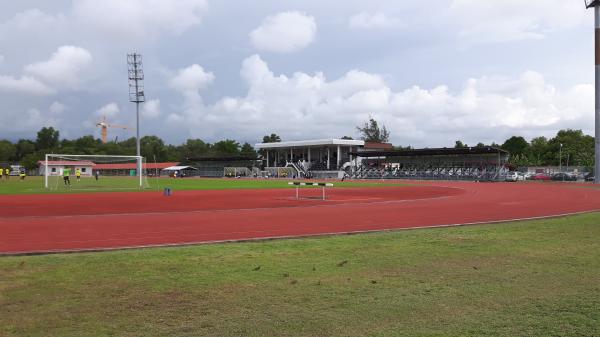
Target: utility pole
596, 5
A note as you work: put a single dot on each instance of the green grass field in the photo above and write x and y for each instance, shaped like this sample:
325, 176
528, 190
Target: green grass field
33, 185
534, 278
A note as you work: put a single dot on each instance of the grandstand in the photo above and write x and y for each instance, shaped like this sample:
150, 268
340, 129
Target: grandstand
471, 163
318, 158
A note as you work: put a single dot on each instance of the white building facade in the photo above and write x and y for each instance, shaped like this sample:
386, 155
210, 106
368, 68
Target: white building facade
57, 167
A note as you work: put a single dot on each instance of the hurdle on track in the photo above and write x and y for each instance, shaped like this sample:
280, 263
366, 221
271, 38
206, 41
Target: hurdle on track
298, 184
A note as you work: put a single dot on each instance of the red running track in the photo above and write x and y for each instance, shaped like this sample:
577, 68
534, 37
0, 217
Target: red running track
79, 222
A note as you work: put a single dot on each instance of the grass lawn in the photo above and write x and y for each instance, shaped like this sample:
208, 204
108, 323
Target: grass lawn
534, 278
35, 185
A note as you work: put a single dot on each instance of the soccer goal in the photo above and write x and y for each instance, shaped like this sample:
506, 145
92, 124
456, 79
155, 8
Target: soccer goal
94, 172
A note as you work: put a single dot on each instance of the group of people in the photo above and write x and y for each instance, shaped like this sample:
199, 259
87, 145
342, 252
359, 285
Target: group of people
67, 174
5, 173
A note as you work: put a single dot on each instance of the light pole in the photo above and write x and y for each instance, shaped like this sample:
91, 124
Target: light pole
560, 158
596, 5
136, 95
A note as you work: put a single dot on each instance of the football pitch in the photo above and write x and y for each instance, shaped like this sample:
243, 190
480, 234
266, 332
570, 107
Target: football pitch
35, 184
533, 278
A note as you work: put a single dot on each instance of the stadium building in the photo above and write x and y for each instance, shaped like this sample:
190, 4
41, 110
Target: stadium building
319, 158
336, 158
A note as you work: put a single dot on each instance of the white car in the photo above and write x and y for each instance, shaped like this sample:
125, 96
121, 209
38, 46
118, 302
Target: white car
512, 176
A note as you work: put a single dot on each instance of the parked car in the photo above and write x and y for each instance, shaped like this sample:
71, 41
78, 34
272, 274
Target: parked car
541, 176
528, 175
511, 176
563, 176
589, 177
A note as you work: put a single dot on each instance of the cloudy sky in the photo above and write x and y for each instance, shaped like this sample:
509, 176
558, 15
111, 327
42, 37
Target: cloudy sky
431, 71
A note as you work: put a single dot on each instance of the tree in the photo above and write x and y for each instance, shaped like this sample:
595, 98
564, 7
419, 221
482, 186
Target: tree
577, 148
273, 138
370, 132
459, 144
30, 161
24, 147
47, 138
538, 149
516, 145
480, 144
347, 138
7, 150
247, 151
226, 148
153, 147
194, 148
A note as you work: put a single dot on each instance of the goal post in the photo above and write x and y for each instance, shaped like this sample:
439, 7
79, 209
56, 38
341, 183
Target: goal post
94, 172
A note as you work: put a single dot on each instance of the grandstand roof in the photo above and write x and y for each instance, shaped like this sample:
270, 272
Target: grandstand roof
314, 142
132, 166
224, 159
178, 168
432, 152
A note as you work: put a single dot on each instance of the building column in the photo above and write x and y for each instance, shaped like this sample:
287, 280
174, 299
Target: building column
291, 155
339, 156
308, 156
328, 159
267, 158
349, 155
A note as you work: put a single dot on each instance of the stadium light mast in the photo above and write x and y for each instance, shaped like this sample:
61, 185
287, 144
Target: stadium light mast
136, 95
596, 5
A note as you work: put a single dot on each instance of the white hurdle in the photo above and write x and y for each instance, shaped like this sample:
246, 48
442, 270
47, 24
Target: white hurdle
298, 184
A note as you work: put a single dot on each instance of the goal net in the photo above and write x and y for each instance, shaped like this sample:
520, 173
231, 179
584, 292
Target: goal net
94, 172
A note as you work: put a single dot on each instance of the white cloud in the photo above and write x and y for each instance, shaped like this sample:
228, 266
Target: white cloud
1, 59
510, 20
64, 68
192, 79
110, 110
151, 109
57, 108
24, 84
138, 18
284, 32
308, 106
32, 21
372, 20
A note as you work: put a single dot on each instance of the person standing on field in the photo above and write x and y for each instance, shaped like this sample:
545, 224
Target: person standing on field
1, 173
66, 173
78, 175
6, 173
97, 174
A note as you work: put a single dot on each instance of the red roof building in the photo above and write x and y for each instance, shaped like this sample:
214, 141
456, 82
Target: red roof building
133, 166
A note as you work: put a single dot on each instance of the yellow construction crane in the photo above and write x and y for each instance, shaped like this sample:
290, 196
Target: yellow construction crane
103, 124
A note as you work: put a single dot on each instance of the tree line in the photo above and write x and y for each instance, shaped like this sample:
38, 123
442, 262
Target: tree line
569, 147
28, 152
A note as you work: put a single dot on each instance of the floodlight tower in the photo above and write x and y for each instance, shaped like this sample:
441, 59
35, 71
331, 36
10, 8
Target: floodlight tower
136, 95
596, 5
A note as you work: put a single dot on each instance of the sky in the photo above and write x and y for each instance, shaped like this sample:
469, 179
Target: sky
432, 72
